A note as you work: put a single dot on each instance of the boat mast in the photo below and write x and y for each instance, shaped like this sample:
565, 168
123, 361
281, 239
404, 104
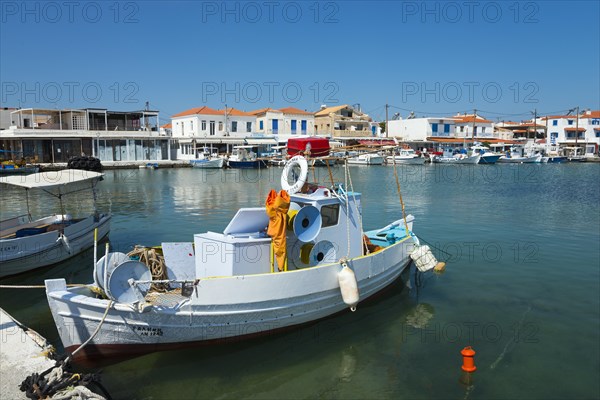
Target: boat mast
473, 132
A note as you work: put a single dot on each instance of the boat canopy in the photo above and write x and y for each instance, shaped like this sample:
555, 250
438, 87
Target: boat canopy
57, 182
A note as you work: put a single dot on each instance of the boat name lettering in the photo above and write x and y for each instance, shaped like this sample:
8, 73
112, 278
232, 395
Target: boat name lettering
148, 331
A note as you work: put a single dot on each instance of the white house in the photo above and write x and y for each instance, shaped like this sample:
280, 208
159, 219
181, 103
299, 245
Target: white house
473, 125
419, 129
574, 131
201, 127
284, 123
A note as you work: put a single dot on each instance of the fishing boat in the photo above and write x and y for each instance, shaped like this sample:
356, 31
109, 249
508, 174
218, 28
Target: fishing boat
405, 156
207, 160
301, 258
461, 157
366, 159
27, 244
244, 158
517, 154
487, 156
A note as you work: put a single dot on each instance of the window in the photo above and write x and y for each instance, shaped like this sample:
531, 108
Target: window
260, 125
248, 126
220, 126
596, 122
554, 122
434, 128
330, 215
462, 128
597, 133
446, 128
570, 122
233, 126
570, 135
203, 125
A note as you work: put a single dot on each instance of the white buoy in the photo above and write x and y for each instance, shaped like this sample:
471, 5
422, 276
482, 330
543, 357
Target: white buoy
423, 258
348, 286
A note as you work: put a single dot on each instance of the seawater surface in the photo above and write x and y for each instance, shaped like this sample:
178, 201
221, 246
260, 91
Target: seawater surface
522, 287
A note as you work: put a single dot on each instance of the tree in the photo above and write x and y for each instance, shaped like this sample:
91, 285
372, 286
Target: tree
382, 127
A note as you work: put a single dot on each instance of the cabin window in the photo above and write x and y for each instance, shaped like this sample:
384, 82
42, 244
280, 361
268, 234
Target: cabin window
330, 215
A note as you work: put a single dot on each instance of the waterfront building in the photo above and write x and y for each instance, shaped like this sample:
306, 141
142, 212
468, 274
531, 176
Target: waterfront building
53, 136
204, 127
284, 122
419, 129
343, 122
581, 131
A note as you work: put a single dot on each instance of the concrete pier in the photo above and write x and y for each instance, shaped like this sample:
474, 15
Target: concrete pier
20, 356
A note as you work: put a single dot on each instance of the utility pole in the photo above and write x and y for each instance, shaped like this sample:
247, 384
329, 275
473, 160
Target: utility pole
576, 125
473, 133
386, 120
534, 124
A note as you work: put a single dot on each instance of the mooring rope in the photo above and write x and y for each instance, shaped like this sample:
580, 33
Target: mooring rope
110, 303
39, 286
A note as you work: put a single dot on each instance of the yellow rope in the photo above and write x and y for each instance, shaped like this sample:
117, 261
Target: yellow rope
400, 194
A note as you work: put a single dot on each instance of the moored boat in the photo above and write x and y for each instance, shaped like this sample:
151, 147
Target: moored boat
405, 156
366, 159
244, 158
27, 244
255, 277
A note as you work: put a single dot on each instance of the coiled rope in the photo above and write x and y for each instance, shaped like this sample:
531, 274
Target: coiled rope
155, 262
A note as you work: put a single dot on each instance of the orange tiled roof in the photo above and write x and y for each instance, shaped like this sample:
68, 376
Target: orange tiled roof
470, 118
294, 110
197, 110
580, 129
592, 114
167, 126
261, 111
236, 112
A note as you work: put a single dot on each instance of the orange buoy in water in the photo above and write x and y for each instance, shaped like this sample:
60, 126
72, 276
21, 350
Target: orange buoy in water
468, 359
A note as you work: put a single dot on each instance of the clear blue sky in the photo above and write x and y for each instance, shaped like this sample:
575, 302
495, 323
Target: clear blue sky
505, 58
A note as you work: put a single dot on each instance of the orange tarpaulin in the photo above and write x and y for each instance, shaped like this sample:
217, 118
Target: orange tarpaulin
277, 207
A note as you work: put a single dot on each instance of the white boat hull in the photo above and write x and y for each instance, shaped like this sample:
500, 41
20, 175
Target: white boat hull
521, 160
212, 163
370, 160
458, 160
220, 308
23, 254
405, 160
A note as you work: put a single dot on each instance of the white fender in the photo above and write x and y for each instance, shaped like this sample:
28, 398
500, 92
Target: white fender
65, 242
348, 287
294, 161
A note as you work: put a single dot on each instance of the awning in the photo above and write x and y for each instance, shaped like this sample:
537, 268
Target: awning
57, 182
375, 142
261, 141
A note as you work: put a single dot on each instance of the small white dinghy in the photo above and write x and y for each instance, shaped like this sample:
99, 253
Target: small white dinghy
27, 244
241, 282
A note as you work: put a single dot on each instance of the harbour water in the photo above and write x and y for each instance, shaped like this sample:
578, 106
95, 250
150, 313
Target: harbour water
522, 287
